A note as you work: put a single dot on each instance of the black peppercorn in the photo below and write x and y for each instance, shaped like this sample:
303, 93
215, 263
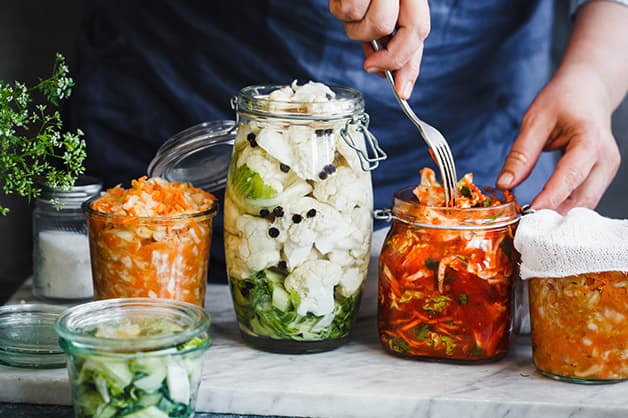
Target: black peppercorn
251, 138
319, 132
296, 218
278, 211
329, 131
273, 232
264, 213
311, 213
283, 167
322, 175
282, 265
330, 169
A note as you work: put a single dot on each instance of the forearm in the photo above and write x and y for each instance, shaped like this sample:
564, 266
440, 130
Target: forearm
598, 45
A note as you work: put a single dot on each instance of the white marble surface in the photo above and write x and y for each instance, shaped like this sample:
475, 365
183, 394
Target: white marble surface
356, 380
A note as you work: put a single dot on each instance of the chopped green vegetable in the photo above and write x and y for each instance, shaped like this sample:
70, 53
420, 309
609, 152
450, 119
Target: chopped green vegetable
465, 191
32, 137
463, 299
421, 331
399, 345
248, 184
162, 385
450, 345
437, 304
267, 309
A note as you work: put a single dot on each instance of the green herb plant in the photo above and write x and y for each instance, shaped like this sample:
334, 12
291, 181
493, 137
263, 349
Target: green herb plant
32, 142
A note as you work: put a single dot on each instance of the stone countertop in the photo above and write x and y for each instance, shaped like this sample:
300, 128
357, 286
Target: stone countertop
358, 379
355, 380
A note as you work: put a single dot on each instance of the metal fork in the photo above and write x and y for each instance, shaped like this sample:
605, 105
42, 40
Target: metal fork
433, 138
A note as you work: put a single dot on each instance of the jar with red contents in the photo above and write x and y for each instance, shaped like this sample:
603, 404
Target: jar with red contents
446, 279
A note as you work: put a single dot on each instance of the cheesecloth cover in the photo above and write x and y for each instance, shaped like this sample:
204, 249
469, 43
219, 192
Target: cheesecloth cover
580, 242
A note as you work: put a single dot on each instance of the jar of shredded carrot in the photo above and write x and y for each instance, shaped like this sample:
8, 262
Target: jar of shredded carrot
445, 273
151, 240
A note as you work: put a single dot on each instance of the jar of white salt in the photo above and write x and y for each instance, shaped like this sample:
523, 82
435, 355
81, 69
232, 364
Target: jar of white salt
61, 264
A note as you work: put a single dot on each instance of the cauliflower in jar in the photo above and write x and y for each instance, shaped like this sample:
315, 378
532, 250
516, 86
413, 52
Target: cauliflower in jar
314, 283
257, 247
344, 190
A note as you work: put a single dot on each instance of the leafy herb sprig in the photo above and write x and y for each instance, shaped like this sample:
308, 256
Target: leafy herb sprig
32, 139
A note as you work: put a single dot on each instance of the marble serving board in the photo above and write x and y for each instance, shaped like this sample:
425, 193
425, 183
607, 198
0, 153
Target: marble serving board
356, 380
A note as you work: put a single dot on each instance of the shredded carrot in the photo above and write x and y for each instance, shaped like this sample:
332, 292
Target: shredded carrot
578, 325
147, 248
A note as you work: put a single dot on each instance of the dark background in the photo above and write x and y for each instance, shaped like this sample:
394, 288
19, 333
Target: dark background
31, 31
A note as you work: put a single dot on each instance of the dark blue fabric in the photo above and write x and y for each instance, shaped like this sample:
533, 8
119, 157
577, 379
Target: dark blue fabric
148, 69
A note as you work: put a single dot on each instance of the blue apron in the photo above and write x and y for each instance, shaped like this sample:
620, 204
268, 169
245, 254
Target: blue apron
146, 70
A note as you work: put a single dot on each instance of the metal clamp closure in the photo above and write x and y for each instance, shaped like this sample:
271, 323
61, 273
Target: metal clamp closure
373, 154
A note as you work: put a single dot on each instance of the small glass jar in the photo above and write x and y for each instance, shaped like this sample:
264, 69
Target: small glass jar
298, 220
134, 356
445, 280
143, 256
61, 266
578, 326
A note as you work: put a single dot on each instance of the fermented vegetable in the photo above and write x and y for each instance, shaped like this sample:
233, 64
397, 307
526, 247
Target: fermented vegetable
578, 326
151, 240
445, 273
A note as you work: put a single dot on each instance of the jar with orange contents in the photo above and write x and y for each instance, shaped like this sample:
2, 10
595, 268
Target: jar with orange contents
445, 277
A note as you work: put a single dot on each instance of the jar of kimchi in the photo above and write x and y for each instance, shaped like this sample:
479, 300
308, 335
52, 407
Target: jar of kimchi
445, 275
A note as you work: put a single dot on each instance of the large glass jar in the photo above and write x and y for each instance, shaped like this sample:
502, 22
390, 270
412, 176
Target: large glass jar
136, 357
445, 280
298, 220
578, 326
61, 267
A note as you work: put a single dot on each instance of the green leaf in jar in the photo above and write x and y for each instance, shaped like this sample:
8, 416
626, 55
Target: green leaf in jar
421, 332
399, 345
249, 184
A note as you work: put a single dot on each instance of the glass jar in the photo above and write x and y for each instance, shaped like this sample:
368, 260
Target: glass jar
445, 280
61, 267
142, 256
139, 356
298, 219
578, 326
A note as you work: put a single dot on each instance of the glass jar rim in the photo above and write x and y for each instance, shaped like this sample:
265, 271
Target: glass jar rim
75, 325
91, 212
407, 209
254, 100
84, 187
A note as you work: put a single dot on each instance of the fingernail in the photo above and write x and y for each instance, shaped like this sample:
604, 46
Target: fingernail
406, 90
505, 179
372, 70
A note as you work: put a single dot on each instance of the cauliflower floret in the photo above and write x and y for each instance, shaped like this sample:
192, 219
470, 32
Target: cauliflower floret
231, 215
236, 268
311, 153
314, 282
275, 144
344, 190
350, 281
256, 160
283, 94
311, 91
257, 248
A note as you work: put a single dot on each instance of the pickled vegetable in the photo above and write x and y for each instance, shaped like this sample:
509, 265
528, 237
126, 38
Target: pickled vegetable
151, 240
578, 326
445, 293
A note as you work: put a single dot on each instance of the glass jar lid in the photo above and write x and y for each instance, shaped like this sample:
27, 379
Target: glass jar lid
27, 336
199, 155
130, 325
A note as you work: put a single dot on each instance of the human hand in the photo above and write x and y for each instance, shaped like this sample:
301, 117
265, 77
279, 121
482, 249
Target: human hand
367, 20
572, 113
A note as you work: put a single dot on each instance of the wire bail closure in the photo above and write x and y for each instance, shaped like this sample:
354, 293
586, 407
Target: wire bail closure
369, 160
387, 215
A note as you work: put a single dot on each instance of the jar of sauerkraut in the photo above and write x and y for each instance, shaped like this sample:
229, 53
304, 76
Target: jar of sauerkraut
577, 272
445, 274
298, 218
